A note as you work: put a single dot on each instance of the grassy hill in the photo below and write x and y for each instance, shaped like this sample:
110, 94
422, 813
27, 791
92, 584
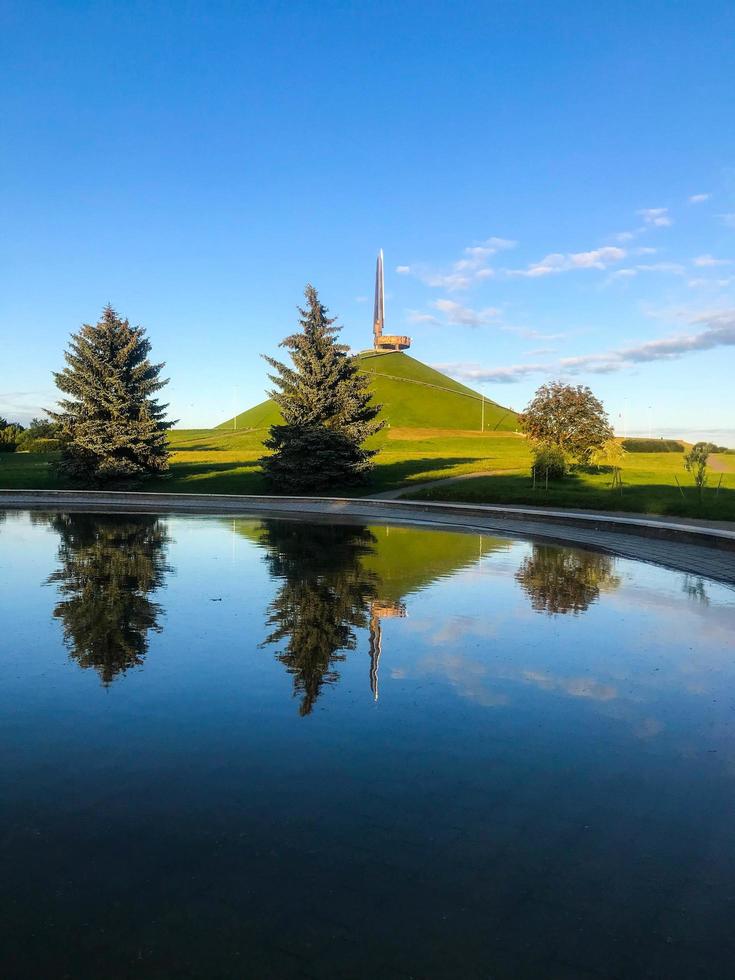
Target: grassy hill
413, 395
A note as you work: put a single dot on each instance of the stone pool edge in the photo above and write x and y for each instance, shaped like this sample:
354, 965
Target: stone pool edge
691, 548
678, 530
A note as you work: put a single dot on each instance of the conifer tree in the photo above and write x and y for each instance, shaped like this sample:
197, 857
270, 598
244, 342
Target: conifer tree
109, 566
111, 424
323, 596
326, 408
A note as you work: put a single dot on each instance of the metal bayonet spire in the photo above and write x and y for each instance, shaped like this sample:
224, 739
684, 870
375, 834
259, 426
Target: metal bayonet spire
379, 307
382, 342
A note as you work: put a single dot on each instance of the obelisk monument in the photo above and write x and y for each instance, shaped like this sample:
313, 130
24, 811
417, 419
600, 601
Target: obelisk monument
381, 341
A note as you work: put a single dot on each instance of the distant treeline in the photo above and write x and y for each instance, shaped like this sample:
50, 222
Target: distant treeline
667, 446
652, 446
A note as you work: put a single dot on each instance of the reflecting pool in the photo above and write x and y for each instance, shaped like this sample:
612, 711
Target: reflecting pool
270, 748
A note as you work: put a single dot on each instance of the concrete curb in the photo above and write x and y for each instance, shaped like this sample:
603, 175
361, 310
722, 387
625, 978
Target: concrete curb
401, 510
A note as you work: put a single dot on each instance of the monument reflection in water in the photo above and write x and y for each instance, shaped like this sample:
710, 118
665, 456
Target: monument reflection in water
544, 786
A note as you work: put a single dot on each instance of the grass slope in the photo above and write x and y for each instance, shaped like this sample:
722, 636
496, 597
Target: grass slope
412, 395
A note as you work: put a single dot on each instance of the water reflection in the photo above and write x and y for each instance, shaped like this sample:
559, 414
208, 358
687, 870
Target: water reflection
109, 567
324, 594
331, 582
572, 781
563, 580
695, 588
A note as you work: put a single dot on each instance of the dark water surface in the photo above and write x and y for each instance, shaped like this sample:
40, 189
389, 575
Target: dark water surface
246, 748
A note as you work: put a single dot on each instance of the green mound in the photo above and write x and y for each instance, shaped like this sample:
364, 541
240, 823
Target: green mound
413, 396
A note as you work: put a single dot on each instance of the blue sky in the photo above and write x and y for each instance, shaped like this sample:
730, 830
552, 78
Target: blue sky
553, 186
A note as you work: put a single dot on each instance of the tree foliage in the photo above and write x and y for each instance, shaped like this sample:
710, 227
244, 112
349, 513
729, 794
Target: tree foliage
568, 417
695, 462
326, 408
323, 596
111, 423
108, 567
549, 463
563, 580
11, 434
41, 435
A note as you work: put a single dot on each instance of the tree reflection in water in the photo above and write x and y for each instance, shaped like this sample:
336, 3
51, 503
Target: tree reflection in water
109, 566
564, 580
325, 594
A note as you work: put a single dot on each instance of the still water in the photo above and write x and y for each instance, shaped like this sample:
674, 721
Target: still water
263, 748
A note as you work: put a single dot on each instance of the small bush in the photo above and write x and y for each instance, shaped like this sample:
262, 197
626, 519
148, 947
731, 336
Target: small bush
39, 445
548, 463
652, 446
9, 437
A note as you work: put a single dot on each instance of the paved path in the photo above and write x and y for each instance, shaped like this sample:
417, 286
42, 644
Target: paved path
443, 480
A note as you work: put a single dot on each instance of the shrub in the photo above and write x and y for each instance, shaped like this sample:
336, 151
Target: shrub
652, 446
38, 445
695, 462
10, 433
548, 463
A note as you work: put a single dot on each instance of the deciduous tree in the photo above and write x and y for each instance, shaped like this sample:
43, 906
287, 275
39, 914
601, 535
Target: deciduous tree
569, 417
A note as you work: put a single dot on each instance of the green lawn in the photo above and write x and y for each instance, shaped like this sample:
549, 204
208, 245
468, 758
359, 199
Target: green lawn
220, 461
649, 488
30, 471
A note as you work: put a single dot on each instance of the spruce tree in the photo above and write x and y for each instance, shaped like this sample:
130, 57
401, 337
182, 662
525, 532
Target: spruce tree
326, 408
324, 595
111, 425
109, 566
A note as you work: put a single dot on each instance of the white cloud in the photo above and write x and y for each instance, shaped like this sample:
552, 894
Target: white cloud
22, 406
416, 316
707, 260
629, 272
674, 268
704, 283
361, 299
719, 331
623, 274
403, 270
530, 334
463, 315
657, 217
599, 258
699, 198
479, 375
472, 268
